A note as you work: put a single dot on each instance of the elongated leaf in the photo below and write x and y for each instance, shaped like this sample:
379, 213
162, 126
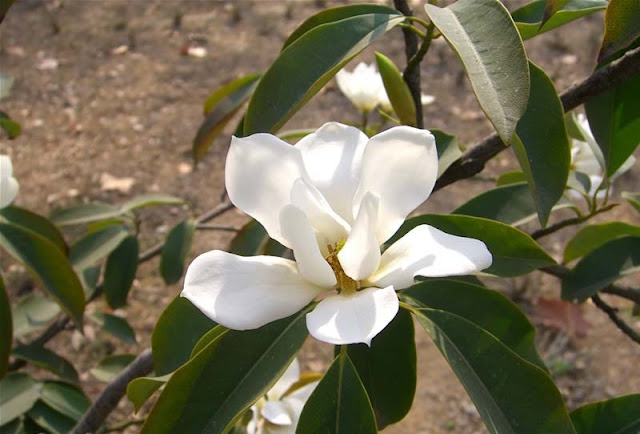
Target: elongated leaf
48, 360
19, 393
79, 214
146, 200
511, 394
219, 109
295, 76
178, 329
36, 223
550, 8
51, 420
175, 251
619, 415
486, 308
633, 199
49, 265
111, 366
226, 378
591, 237
547, 177
510, 178
253, 240
514, 252
621, 27
114, 325
528, 17
397, 90
95, 246
448, 150
601, 267
33, 312
120, 271
393, 350
141, 389
485, 38
6, 329
65, 398
207, 338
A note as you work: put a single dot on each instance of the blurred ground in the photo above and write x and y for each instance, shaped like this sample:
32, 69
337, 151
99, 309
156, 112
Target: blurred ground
101, 87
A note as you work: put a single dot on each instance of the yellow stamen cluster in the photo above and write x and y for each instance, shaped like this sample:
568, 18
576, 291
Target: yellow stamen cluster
345, 283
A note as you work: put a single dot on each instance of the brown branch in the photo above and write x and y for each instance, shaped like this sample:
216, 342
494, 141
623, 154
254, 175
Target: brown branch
612, 313
569, 222
608, 77
108, 399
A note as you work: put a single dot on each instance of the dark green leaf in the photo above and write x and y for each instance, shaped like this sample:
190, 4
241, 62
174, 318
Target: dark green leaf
33, 312
150, 200
141, 389
95, 246
514, 252
600, 267
11, 127
114, 325
175, 251
50, 266
47, 359
34, 222
51, 420
510, 178
633, 199
592, 237
120, 271
573, 129
397, 90
13, 427
295, 76
619, 415
207, 338
79, 214
6, 329
551, 7
111, 366
492, 53
339, 404
448, 150
65, 398
178, 329
621, 27
226, 378
253, 240
19, 393
511, 394
4, 7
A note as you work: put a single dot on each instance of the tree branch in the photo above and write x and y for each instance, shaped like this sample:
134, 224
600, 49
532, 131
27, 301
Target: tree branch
569, 222
612, 313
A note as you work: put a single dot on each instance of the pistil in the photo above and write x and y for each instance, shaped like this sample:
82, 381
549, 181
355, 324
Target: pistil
345, 283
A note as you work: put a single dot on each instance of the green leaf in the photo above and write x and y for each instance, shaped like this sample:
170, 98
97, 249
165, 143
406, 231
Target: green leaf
80, 214
511, 394
392, 351
33, 312
574, 130
47, 359
547, 177
207, 338
295, 76
226, 378
65, 398
528, 17
120, 271
35, 223
614, 118
253, 240
550, 8
153, 199
49, 265
633, 199
514, 252
111, 366
619, 415
486, 308
114, 325
175, 251
219, 109
591, 237
13, 427
51, 420
600, 267
621, 27
178, 329
95, 246
11, 127
492, 53
448, 150
339, 404
19, 393
295, 134
6, 329
141, 389
397, 90
507, 178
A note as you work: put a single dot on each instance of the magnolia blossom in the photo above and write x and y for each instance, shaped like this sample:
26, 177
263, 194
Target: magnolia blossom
279, 411
8, 184
334, 198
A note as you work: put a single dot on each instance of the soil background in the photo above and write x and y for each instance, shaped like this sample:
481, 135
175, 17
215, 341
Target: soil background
103, 88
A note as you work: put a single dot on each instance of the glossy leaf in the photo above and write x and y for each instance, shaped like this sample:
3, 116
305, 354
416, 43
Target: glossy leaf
6, 329
621, 27
47, 359
511, 394
550, 8
19, 393
619, 415
397, 90
294, 77
178, 329
591, 237
510, 178
95, 246
175, 250
207, 338
65, 398
448, 150
486, 308
33, 312
253, 240
115, 326
153, 199
226, 378
601, 267
80, 214
111, 366
514, 252
493, 56
51, 420
547, 177
120, 271
48, 264
34, 222
141, 389
633, 199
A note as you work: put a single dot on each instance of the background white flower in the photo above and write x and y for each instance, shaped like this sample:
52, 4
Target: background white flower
363, 86
8, 184
334, 198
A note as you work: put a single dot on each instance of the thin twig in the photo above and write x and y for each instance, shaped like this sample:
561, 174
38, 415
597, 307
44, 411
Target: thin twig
217, 228
569, 222
612, 313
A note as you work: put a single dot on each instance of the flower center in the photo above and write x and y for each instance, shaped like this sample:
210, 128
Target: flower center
345, 283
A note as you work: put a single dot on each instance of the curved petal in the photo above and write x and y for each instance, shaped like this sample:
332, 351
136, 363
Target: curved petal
400, 165
427, 251
360, 255
361, 86
311, 264
332, 156
8, 191
259, 174
344, 319
246, 293
277, 413
290, 376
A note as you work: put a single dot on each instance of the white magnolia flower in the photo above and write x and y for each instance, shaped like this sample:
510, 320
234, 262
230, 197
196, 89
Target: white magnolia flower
363, 86
385, 103
334, 198
279, 411
8, 184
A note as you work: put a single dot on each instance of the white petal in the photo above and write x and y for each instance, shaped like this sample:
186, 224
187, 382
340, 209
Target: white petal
259, 174
361, 86
400, 165
246, 293
427, 99
360, 255
6, 168
8, 191
276, 413
290, 376
427, 251
311, 264
333, 156
344, 319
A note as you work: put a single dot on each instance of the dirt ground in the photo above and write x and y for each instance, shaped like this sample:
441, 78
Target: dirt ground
101, 87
